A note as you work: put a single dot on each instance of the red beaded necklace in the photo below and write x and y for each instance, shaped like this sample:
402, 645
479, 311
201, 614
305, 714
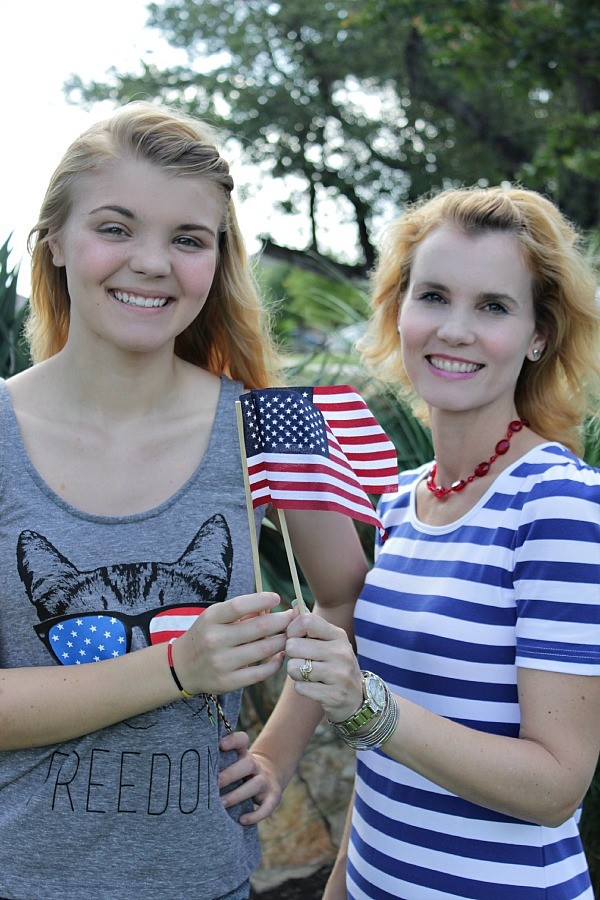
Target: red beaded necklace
482, 469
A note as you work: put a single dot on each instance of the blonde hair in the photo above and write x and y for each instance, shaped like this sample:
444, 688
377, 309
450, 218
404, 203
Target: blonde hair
555, 393
231, 334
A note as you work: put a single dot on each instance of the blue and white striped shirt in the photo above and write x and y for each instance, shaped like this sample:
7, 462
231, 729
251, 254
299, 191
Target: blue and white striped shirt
446, 616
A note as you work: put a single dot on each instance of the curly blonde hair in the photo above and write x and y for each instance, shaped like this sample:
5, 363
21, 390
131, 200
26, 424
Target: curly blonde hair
554, 394
231, 335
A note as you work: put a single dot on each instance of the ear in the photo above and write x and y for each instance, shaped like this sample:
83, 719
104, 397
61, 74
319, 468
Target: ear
536, 347
54, 243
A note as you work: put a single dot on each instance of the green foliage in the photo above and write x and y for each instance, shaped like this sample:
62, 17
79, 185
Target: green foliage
591, 452
524, 77
14, 356
373, 102
310, 304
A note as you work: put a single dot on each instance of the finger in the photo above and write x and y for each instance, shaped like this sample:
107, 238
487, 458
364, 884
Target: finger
310, 625
317, 671
264, 808
237, 608
253, 639
305, 648
237, 771
324, 651
247, 790
234, 659
252, 629
244, 768
236, 740
254, 674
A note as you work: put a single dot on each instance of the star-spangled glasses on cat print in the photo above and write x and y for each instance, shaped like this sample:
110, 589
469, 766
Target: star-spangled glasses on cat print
78, 638
88, 639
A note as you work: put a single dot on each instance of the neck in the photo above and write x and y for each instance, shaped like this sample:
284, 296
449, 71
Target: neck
463, 441
113, 386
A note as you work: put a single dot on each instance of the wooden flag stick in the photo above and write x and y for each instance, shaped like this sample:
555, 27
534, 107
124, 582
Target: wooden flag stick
291, 562
249, 507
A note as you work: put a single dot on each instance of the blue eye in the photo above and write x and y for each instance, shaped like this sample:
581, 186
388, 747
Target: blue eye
186, 241
116, 230
496, 307
432, 297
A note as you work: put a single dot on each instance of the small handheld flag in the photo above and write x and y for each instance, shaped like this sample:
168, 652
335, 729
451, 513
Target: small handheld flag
316, 448
312, 448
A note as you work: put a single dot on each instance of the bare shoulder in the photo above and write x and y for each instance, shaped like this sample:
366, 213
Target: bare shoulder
33, 389
198, 390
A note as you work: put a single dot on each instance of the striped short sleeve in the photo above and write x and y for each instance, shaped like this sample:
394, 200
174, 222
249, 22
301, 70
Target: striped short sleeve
557, 571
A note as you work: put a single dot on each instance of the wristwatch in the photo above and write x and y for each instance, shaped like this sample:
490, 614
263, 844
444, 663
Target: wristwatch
375, 694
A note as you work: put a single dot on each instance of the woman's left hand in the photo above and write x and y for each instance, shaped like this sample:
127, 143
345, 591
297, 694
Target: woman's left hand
258, 782
335, 680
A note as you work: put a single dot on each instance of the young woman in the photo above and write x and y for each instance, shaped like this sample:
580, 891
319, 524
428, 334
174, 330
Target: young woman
477, 711
124, 527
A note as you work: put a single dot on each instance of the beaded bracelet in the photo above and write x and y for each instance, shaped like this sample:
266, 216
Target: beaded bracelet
180, 688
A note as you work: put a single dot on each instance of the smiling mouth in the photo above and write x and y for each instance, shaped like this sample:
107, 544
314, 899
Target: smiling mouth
137, 300
453, 365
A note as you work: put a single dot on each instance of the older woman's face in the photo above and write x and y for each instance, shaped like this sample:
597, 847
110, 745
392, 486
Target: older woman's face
467, 320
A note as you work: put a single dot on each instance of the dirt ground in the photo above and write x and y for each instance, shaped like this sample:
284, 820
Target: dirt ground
310, 888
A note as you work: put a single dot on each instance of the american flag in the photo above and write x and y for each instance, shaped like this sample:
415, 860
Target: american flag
316, 448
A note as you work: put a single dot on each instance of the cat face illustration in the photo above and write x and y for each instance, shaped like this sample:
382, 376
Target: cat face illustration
89, 615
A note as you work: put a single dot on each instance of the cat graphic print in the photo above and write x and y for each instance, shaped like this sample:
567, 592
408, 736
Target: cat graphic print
89, 615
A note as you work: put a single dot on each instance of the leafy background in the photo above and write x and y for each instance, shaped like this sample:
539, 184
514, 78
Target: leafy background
351, 109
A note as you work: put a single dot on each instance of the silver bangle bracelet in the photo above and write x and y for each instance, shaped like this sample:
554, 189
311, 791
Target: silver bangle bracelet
380, 733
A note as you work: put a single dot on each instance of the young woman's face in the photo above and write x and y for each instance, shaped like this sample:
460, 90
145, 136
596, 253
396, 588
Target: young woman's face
140, 252
467, 320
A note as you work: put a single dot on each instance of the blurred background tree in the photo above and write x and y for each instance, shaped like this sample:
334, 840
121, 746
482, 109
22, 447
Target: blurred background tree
366, 104
373, 102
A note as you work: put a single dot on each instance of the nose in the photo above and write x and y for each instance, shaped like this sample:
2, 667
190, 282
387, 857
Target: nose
457, 326
150, 257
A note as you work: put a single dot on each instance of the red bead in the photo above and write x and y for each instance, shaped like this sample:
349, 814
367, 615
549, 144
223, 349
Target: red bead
482, 469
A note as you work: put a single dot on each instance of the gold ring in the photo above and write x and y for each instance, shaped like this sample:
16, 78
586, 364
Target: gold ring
306, 669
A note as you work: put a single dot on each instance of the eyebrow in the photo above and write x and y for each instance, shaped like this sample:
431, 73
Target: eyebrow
129, 214
498, 295
121, 210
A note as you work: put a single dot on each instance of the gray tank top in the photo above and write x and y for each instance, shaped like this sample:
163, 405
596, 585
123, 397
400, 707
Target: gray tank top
132, 810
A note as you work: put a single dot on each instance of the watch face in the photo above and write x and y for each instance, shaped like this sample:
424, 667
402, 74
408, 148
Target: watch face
375, 689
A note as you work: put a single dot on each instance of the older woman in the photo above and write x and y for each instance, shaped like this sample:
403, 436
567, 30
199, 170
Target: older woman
477, 710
